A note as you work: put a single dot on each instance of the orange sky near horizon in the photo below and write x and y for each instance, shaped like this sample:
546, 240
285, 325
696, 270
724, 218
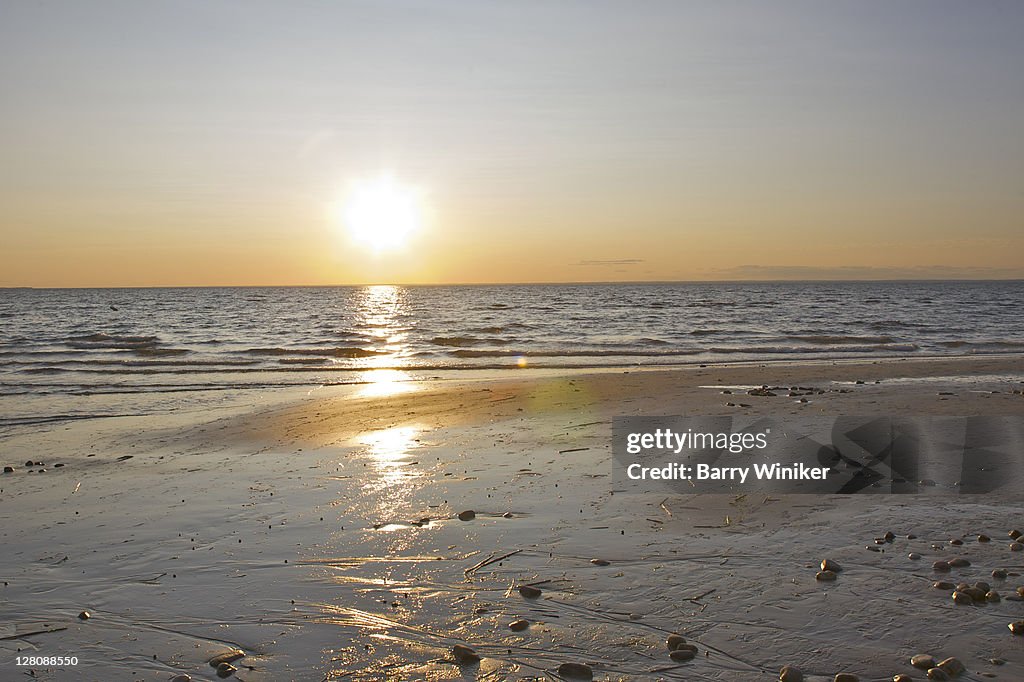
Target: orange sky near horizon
181, 144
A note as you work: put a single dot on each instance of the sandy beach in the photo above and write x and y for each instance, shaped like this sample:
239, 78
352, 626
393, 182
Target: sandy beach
319, 533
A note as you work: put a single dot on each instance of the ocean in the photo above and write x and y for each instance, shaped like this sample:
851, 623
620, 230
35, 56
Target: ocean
85, 353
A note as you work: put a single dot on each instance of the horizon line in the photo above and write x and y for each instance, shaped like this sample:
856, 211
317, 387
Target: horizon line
566, 283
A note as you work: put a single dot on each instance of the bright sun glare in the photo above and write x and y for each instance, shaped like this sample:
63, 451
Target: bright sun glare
382, 213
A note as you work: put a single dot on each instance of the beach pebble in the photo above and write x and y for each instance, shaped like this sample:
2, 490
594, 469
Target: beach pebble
922, 661
943, 585
226, 657
975, 593
992, 596
1017, 627
791, 674
530, 592
1016, 547
952, 666
983, 586
683, 653
507, 515
941, 567
962, 598
518, 625
984, 538
829, 565
1014, 534
30, 463
1020, 591
467, 515
889, 536
464, 655
911, 536
999, 573
226, 670
956, 541
937, 674
8, 470
85, 615
576, 671
600, 562
997, 661
181, 678
913, 556
846, 677
902, 678
674, 641
959, 562
825, 576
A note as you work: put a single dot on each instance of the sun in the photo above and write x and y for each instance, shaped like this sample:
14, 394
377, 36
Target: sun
382, 213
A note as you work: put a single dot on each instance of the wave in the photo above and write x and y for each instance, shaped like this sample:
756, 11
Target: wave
342, 352
826, 340
463, 341
981, 344
112, 341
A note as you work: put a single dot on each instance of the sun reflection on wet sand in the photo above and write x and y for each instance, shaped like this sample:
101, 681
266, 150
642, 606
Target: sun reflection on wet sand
389, 451
384, 382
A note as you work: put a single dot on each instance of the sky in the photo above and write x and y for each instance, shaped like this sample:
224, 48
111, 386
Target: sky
212, 142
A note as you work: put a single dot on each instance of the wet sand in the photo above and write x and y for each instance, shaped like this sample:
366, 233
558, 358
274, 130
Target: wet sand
297, 531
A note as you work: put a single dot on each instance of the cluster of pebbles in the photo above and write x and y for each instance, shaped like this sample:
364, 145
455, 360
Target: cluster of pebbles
978, 593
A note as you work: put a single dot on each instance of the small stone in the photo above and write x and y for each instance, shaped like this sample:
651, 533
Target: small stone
956, 541
529, 591
507, 515
913, 556
902, 678
952, 666
600, 562
941, 567
1017, 627
846, 677
959, 562
682, 654
826, 576
464, 655
911, 536
518, 625
962, 598
976, 593
30, 463
889, 536
983, 586
1020, 591
226, 657
997, 661
984, 538
943, 585
937, 674
480, 610
84, 615
467, 515
8, 470
226, 670
999, 573
181, 678
829, 565
674, 641
578, 671
791, 674
922, 661
1016, 547
992, 596
1014, 534
58, 465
